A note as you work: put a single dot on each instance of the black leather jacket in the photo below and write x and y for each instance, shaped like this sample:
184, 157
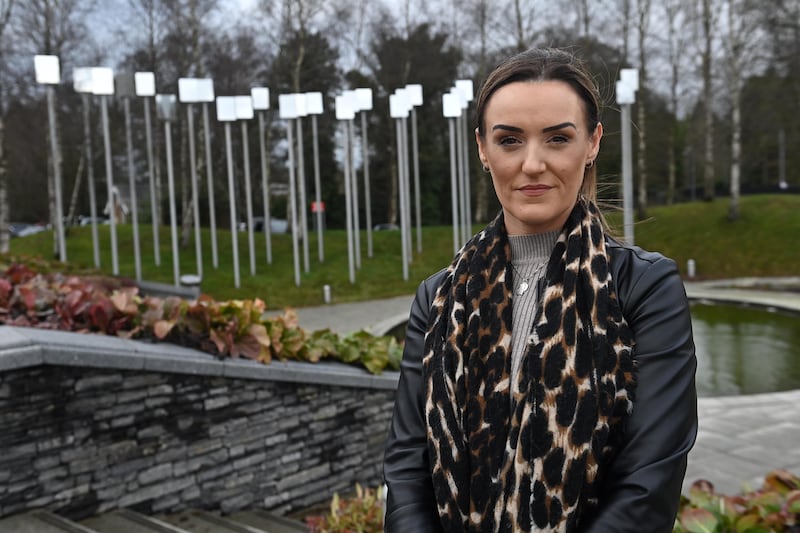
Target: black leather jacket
642, 485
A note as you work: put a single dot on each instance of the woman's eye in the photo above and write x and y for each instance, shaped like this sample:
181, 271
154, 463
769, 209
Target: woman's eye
508, 140
559, 139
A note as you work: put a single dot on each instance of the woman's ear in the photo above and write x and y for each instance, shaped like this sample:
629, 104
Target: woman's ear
481, 152
595, 141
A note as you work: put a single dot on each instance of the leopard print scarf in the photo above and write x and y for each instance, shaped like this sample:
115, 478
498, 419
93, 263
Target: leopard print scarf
526, 456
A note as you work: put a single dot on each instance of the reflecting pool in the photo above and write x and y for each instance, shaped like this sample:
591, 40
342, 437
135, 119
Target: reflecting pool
742, 350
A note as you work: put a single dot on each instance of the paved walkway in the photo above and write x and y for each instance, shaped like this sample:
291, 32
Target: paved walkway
741, 438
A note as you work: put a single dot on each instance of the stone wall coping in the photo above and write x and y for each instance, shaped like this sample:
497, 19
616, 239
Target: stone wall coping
22, 347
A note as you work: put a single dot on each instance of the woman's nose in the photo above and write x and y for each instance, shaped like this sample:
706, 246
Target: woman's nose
533, 163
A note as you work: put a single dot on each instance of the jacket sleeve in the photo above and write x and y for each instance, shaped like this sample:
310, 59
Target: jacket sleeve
410, 505
643, 483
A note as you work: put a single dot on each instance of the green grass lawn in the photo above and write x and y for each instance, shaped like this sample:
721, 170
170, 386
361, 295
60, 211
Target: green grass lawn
764, 242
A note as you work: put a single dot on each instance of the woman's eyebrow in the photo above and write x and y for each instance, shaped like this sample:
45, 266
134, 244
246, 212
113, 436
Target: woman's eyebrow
506, 127
515, 129
560, 127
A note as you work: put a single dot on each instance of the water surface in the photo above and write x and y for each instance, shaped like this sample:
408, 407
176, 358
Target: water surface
742, 350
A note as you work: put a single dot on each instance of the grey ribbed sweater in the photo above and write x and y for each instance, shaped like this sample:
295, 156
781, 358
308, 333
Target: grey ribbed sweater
529, 256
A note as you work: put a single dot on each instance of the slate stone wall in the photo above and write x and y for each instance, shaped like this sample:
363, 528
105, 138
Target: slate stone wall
81, 440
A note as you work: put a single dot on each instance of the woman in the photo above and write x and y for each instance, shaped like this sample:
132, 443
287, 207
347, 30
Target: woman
547, 381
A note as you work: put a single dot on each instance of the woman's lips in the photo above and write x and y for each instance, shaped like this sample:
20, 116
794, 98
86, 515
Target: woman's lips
534, 190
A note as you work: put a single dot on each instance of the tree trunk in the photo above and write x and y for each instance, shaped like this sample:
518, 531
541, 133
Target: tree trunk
708, 160
736, 151
641, 160
5, 235
73, 201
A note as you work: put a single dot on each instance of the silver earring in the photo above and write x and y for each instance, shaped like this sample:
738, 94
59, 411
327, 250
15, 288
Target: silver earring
486, 169
590, 164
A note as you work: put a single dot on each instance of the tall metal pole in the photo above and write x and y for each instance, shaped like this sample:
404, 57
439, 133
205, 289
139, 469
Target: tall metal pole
232, 205
349, 202
467, 180
407, 189
212, 212
367, 195
318, 191
401, 189
110, 183
301, 179
354, 188
173, 217
454, 182
51, 113
87, 133
417, 201
132, 184
198, 245
293, 205
627, 174
155, 209
248, 193
265, 186
462, 148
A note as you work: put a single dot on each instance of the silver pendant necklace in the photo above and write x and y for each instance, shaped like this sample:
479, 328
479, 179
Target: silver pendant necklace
523, 287
526, 281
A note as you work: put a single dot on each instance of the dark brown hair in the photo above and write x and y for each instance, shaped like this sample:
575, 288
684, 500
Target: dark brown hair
546, 64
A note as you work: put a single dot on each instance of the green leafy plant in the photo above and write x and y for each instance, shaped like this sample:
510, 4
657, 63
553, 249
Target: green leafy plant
775, 507
234, 328
362, 513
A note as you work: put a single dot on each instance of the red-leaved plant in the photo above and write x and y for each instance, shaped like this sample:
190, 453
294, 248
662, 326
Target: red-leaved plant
775, 507
235, 328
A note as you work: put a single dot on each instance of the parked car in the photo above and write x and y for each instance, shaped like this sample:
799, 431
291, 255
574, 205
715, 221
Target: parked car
385, 227
276, 225
85, 221
23, 229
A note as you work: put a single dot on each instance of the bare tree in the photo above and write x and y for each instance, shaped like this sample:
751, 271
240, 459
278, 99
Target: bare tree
740, 42
707, 21
675, 15
643, 12
53, 28
5, 15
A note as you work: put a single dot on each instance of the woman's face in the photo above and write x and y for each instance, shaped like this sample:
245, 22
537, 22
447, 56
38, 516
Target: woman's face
536, 146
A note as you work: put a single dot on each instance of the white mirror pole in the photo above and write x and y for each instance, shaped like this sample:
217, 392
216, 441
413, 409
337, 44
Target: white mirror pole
198, 245
232, 204
303, 202
265, 185
464, 148
367, 199
87, 133
467, 180
51, 114
454, 189
451, 109
320, 212
293, 203
402, 190
627, 173
408, 169
626, 89
415, 158
348, 195
173, 217
137, 257
48, 72
212, 212
354, 192
248, 193
112, 211
155, 209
